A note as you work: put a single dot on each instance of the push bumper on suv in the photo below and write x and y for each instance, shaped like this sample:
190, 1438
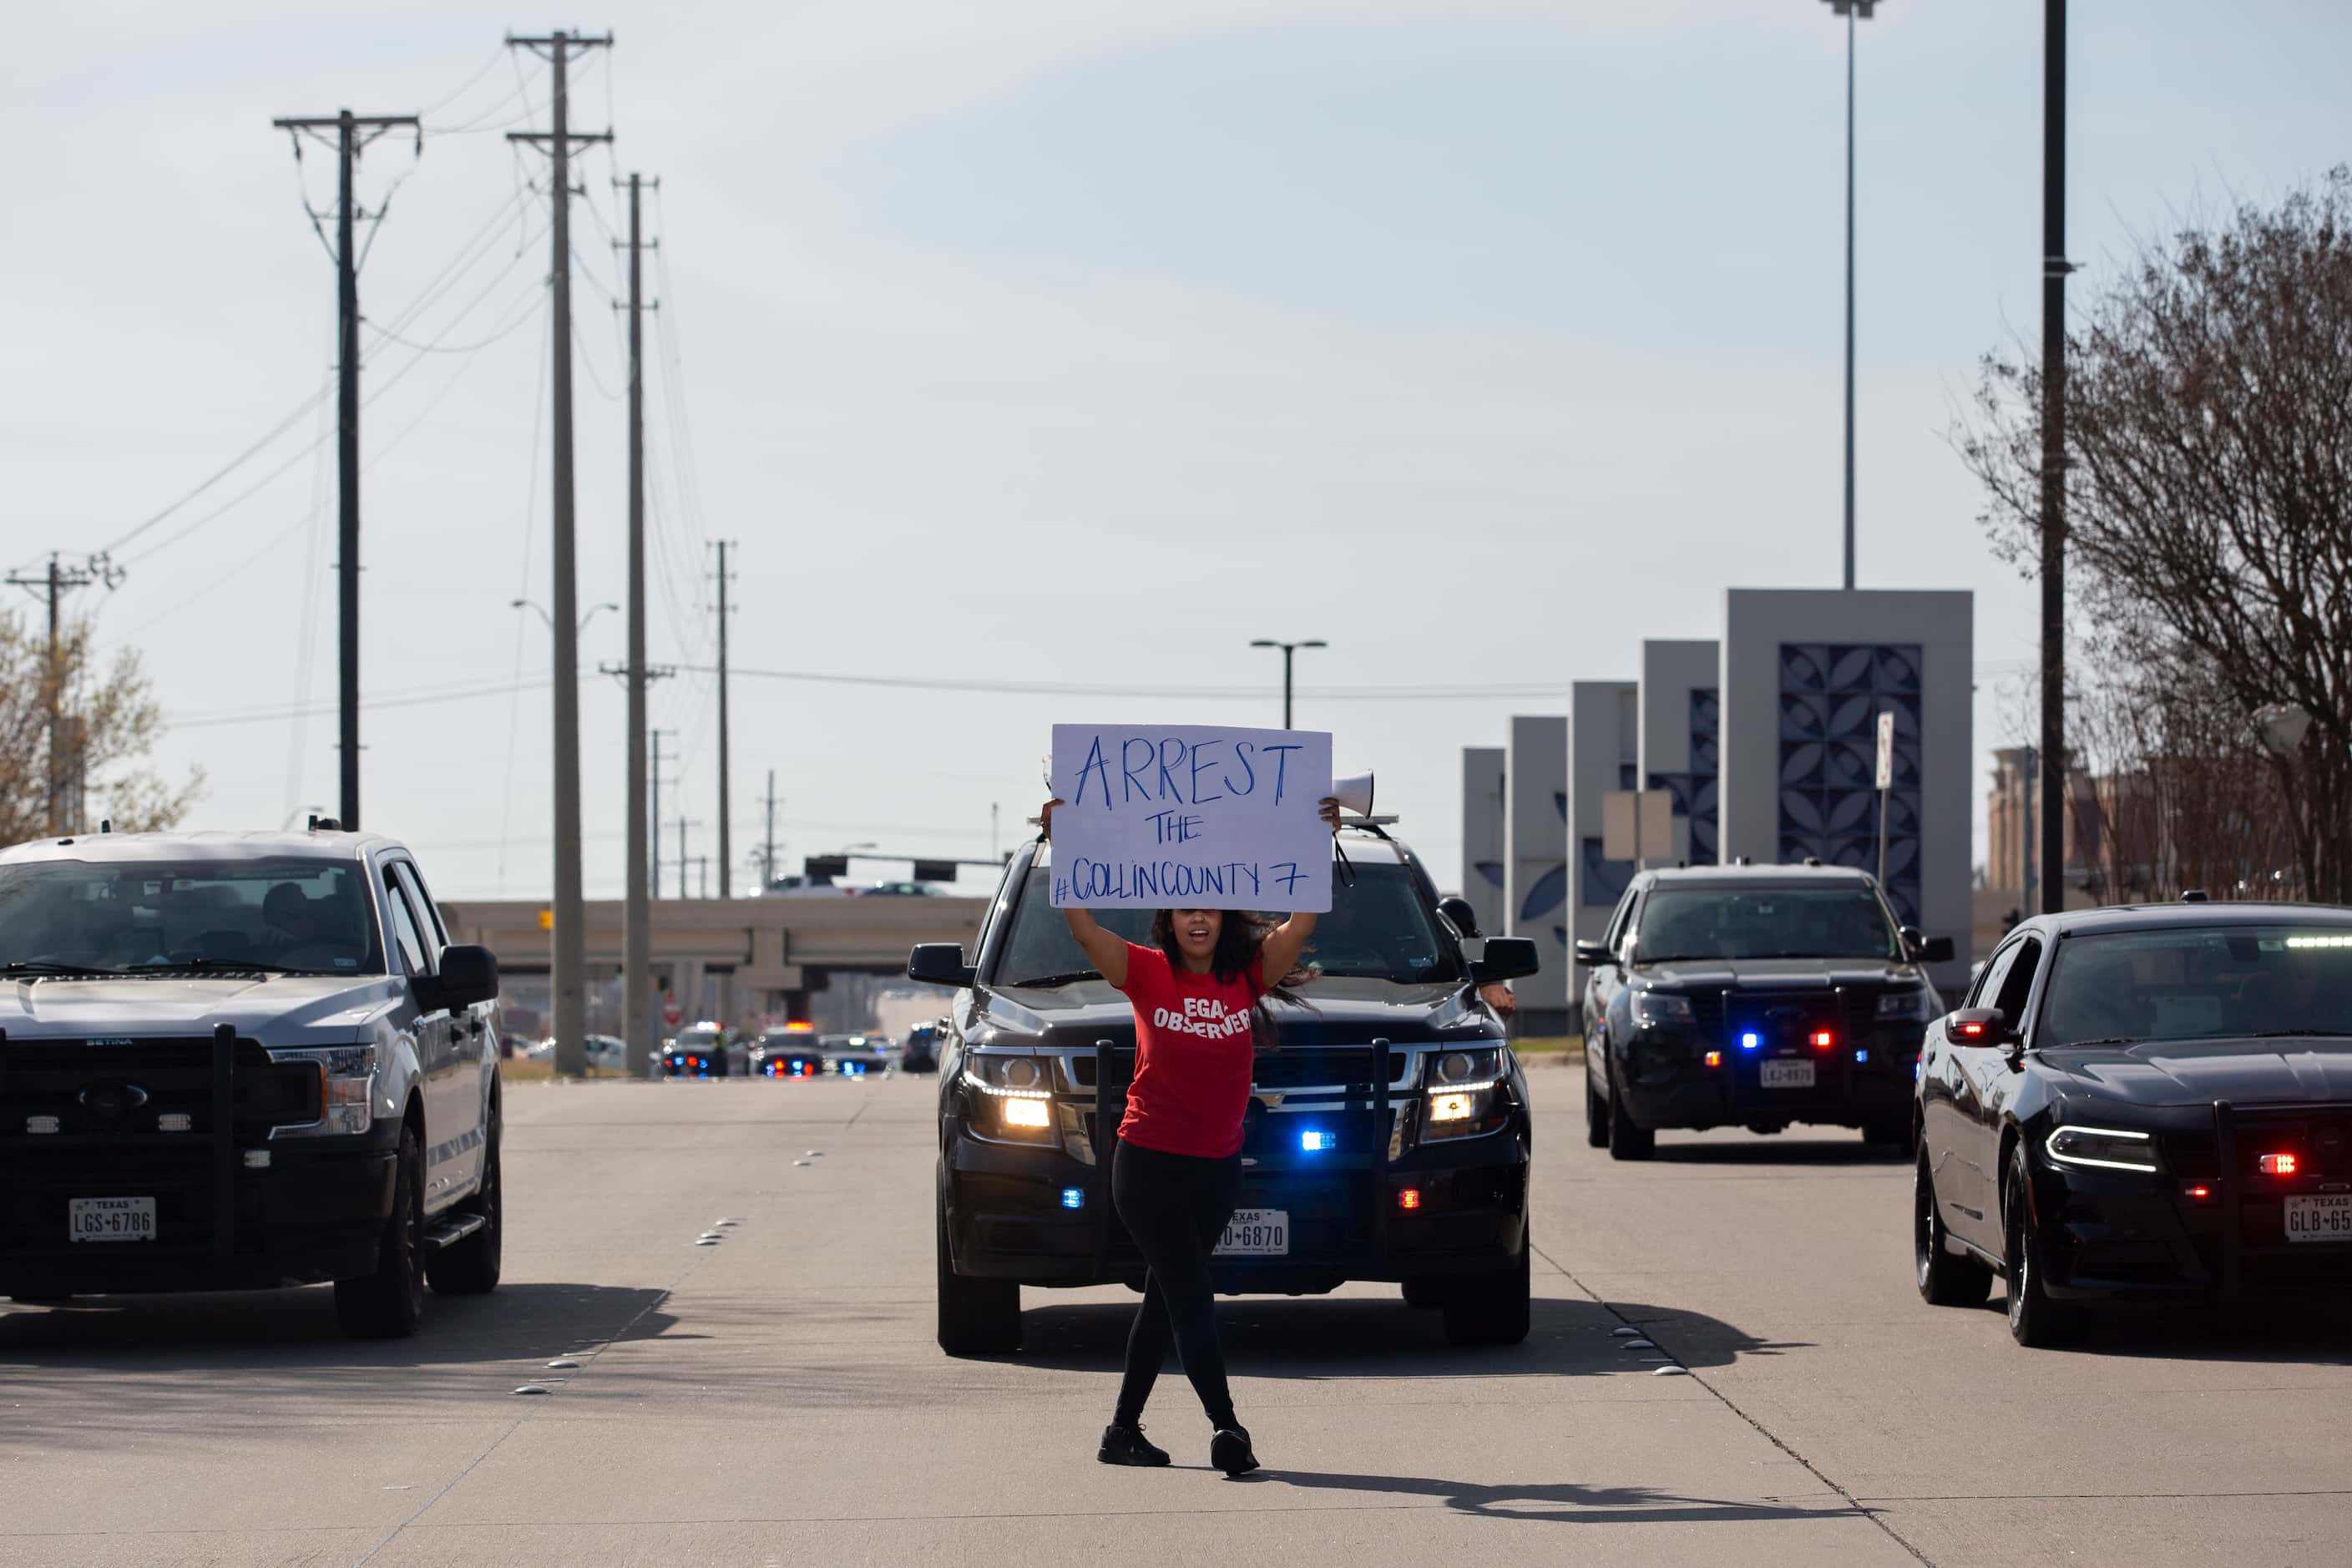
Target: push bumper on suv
1043, 1215
185, 1125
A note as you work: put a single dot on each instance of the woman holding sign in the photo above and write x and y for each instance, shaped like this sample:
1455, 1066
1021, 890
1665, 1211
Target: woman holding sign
1199, 993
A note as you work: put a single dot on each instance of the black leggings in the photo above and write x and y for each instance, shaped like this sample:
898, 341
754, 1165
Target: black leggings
1175, 1207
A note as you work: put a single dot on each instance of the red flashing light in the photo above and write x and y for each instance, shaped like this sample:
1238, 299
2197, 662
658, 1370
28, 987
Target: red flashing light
1408, 1198
1972, 1029
2200, 1192
1715, 1059
1823, 1039
2277, 1165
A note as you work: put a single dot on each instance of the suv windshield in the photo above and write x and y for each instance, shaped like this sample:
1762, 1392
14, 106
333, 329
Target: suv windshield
1765, 922
282, 913
2191, 983
1378, 929
697, 1039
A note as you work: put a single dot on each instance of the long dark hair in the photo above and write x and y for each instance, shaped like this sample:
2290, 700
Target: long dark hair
1241, 937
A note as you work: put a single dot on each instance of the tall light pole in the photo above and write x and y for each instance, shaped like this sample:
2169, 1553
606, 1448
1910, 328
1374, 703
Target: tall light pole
1288, 649
2055, 762
1852, 11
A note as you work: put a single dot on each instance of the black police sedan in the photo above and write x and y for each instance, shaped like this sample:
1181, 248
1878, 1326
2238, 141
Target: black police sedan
1755, 996
1387, 1138
2147, 1103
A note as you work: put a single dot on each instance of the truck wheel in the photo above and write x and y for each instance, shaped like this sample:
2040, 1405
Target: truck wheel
977, 1317
1627, 1141
1492, 1309
389, 1303
1945, 1279
1596, 1116
471, 1266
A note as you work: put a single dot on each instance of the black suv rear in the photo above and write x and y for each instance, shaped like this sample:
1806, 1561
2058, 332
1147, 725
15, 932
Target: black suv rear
1755, 997
1387, 1137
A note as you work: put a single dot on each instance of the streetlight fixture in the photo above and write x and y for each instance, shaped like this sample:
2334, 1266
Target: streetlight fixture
535, 604
1852, 11
1288, 649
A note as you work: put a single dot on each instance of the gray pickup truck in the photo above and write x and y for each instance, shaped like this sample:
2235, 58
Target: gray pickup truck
241, 1061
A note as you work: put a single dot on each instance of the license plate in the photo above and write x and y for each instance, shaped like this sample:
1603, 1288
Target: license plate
1257, 1233
2325, 1216
1786, 1074
110, 1219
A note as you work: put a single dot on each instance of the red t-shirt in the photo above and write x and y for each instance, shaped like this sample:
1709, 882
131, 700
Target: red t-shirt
1192, 1054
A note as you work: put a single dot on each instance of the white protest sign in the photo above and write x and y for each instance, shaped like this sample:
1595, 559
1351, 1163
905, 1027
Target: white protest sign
1190, 817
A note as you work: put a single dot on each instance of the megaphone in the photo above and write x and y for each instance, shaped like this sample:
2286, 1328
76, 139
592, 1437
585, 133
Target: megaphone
1354, 793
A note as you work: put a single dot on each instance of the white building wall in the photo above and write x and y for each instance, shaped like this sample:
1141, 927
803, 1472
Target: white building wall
1535, 863
1681, 746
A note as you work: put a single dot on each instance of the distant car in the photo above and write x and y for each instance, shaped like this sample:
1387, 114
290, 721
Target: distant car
704, 1050
921, 1051
608, 1053
803, 888
2146, 1105
899, 890
855, 1056
786, 1053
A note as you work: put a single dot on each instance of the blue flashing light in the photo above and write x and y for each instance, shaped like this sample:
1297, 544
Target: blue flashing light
1750, 1040
1861, 1055
1073, 1197
1316, 1142
799, 1065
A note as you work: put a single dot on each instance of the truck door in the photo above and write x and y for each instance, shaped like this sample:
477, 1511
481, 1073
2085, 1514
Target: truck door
446, 1120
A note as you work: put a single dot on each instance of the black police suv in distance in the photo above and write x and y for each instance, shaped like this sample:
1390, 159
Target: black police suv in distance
1731, 995
2148, 1103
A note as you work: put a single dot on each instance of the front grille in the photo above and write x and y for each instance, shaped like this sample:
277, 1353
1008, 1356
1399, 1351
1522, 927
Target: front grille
96, 1090
1319, 1069
1707, 1013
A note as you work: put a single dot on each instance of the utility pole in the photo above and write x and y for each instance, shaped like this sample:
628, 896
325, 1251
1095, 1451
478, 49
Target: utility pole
2055, 268
640, 998
352, 132
768, 853
570, 959
726, 822
682, 825
653, 812
55, 582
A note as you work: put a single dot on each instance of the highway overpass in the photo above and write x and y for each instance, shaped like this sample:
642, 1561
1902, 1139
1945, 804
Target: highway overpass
765, 954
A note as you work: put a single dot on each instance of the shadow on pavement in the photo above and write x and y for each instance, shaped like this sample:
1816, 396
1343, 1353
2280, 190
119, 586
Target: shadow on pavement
1326, 1337
1561, 1503
1777, 1149
2289, 1332
285, 1330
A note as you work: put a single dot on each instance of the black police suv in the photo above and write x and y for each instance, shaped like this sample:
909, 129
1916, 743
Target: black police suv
2141, 1104
786, 1053
1387, 1138
1755, 996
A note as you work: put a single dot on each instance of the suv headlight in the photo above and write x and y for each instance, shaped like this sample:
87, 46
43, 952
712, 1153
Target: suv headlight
346, 1088
1915, 1004
1014, 1096
1465, 1095
2105, 1149
1652, 1009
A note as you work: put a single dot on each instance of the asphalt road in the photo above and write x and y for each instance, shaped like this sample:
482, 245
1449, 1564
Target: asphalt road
778, 1397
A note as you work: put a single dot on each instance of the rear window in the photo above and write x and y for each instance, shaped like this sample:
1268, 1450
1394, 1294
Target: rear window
1378, 929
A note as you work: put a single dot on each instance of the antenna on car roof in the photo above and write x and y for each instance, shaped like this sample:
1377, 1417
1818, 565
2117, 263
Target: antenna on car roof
325, 825
106, 824
1813, 860
2195, 896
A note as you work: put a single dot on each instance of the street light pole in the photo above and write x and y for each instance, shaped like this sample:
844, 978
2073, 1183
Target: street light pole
2055, 765
1288, 649
1852, 11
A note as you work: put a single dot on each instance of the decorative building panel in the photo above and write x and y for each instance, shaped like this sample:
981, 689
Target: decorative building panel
1696, 792
1831, 697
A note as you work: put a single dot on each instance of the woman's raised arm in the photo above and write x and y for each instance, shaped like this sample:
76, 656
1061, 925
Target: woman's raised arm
1106, 950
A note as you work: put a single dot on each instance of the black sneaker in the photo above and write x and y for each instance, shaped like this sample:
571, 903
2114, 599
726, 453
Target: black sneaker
1128, 1446
1229, 1451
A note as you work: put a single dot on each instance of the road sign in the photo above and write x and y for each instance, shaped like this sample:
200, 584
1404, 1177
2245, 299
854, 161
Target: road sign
1886, 750
672, 1013
1637, 824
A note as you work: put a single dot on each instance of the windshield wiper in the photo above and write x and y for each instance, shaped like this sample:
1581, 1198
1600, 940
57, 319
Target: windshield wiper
218, 967
1044, 979
2297, 1034
2107, 1040
52, 967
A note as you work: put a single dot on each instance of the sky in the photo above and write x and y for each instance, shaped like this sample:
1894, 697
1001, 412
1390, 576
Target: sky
1045, 344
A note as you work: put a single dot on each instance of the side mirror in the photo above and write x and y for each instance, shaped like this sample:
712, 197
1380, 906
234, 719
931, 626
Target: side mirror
939, 964
1920, 948
1456, 908
1505, 958
1975, 1026
1593, 954
468, 975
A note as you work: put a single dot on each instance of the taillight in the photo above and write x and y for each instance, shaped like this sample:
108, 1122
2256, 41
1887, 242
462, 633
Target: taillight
2276, 1165
1823, 1039
1408, 1198
1715, 1059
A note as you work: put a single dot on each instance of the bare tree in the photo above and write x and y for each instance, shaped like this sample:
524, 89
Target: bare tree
112, 721
2208, 498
